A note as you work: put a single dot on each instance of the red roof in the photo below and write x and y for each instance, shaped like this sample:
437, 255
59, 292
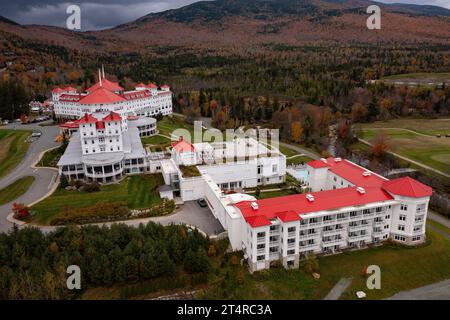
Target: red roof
70, 124
69, 89
165, 86
57, 90
183, 146
407, 187
87, 118
100, 125
70, 97
141, 85
102, 95
258, 221
288, 206
106, 84
113, 116
151, 85
137, 94
317, 164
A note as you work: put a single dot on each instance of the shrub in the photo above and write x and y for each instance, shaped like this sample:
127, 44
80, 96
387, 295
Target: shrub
64, 182
20, 211
92, 187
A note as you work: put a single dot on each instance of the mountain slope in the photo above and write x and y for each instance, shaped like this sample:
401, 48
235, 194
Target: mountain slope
240, 24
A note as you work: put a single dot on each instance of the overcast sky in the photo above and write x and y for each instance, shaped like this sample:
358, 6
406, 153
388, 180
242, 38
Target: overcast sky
100, 14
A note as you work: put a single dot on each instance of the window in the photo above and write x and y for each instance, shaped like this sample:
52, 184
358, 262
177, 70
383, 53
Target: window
403, 207
402, 217
416, 238
261, 234
291, 229
401, 227
291, 251
261, 258
399, 238
274, 168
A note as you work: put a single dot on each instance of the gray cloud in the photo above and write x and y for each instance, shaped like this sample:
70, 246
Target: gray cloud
100, 14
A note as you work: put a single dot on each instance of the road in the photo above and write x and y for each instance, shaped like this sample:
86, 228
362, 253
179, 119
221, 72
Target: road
44, 178
435, 291
409, 160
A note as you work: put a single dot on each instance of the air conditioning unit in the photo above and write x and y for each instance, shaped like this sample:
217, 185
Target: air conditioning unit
310, 197
361, 190
367, 173
254, 205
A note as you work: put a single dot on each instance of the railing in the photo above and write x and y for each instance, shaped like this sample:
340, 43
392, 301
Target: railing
311, 235
307, 247
260, 239
379, 223
291, 245
260, 251
334, 231
291, 234
358, 237
274, 243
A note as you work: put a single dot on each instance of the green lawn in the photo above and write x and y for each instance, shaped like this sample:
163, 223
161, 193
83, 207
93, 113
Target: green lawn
402, 268
15, 190
51, 158
138, 191
428, 150
168, 124
155, 140
274, 194
298, 160
14, 146
420, 76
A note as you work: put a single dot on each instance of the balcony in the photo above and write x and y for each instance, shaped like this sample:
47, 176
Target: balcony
291, 234
308, 247
261, 251
261, 239
331, 232
379, 223
359, 237
308, 236
274, 243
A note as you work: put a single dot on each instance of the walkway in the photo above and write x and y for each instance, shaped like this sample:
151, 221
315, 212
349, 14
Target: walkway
338, 289
44, 178
305, 152
435, 291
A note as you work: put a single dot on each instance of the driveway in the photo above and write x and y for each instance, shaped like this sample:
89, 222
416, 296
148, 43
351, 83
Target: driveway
44, 178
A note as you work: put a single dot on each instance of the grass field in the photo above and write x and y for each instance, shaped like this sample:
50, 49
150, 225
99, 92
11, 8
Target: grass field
14, 146
274, 194
168, 124
15, 190
420, 144
420, 76
138, 191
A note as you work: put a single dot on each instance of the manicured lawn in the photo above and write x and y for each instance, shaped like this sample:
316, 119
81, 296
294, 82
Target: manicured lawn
14, 145
155, 140
274, 194
420, 76
425, 126
168, 124
429, 150
138, 191
15, 190
51, 158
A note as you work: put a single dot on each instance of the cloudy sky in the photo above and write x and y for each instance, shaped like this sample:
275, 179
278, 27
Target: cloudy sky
100, 14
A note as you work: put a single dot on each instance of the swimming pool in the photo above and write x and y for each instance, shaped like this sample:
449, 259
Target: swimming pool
299, 174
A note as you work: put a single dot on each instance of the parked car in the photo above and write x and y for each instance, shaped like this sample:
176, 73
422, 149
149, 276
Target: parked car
202, 202
36, 134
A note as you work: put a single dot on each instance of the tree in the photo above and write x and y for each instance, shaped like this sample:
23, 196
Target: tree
64, 182
296, 131
380, 145
196, 261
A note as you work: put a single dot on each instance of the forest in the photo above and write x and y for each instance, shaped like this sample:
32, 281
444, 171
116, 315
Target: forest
33, 264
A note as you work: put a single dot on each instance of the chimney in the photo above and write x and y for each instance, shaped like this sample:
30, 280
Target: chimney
100, 77
103, 71
310, 197
361, 190
255, 205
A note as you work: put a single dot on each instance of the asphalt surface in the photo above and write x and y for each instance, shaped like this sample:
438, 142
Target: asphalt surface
338, 289
435, 291
43, 177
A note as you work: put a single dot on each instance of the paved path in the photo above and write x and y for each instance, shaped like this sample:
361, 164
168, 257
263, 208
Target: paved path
44, 178
409, 160
438, 218
435, 291
300, 150
338, 289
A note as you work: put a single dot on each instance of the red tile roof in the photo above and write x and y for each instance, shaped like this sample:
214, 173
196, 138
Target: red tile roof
69, 89
288, 206
100, 125
106, 84
112, 116
87, 118
141, 85
183, 146
258, 221
70, 124
317, 164
70, 97
102, 95
57, 90
151, 85
407, 187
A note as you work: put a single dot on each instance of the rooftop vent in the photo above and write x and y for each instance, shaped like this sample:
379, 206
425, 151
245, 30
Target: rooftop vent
323, 159
361, 190
254, 205
366, 173
310, 197
337, 160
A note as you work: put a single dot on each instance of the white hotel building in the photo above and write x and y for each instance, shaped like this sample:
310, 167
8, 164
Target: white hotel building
349, 207
107, 96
